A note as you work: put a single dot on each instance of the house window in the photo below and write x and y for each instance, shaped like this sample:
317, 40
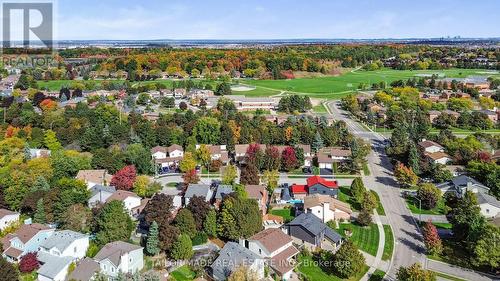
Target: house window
319, 211
487, 210
74, 249
104, 266
260, 251
112, 269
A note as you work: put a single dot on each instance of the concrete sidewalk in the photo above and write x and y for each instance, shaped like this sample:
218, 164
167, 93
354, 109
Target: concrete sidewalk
375, 263
459, 272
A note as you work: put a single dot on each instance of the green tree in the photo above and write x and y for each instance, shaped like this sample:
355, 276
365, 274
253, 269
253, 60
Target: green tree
413, 158
415, 272
229, 174
364, 218
429, 194
8, 271
51, 141
358, 189
348, 261
185, 222
210, 223
113, 223
486, 249
207, 130
318, 142
40, 184
270, 178
182, 249
369, 201
152, 243
223, 89
188, 162
203, 155
40, 216
466, 219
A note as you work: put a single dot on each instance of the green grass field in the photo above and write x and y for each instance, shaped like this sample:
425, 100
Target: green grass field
380, 208
448, 277
378, 275
335, 87
310, 269
388, 243
183, 273
366, 238
413, 205
286, 214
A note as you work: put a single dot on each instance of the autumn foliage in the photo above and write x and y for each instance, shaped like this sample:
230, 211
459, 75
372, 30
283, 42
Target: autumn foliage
431, 238
124, 179
48, 105
28, 263
289, 160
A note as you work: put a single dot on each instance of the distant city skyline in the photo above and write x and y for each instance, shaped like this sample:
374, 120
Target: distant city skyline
277, 19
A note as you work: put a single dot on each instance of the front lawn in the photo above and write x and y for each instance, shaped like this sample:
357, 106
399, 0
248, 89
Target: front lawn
183, 273
380, 208
377, 275
389, 243
455, 253
286, 214
310, 269
346, 196
366, 238
320, 108
413, 205
447, 277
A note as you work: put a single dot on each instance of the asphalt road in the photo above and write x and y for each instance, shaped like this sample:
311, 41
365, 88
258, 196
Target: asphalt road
408, 248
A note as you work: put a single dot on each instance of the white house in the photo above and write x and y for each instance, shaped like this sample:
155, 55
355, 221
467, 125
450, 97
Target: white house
26, 239
490, 206
217, 152
329, 155
167, 156
438, 157
58, 251
118, 257
430, 146
66, 243
276, 248
231, 257
7, 217
327, 208
130, 200
94, 177
99, 194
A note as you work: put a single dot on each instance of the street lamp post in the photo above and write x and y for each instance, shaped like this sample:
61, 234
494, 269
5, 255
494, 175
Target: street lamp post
419, 209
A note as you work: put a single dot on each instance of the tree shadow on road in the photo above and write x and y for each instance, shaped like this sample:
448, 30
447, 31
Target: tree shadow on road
387, 181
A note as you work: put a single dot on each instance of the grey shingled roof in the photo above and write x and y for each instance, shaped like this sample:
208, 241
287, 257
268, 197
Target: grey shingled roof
230, 257
101, 188
223, 190
52, 265
486, 198
61, 239
114, 251
84, 270
202, 190
315, 226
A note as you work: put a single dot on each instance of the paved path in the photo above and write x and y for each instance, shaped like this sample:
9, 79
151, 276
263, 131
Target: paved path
375, 264
433, 218
408, 248
462, 273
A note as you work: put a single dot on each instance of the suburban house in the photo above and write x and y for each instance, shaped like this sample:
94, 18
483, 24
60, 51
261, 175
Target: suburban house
179, 93
329, 155
85, 270
130, 200
459, 185
434, 152
276, 248
7, 217
231, 257
259, 193
200, 190
438, 158
217, 152
433, 114
222, 191
430, 146
38, 153
327, 208
99, 194
309, 231
315, 185
245, 103
167, 157
492, 115
58, 251
94, 177
120, 256
27, 238
489, 205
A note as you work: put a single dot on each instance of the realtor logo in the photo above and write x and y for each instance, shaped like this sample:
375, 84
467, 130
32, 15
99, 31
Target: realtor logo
30, 23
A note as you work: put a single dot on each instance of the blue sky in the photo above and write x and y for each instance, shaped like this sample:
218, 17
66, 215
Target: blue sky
275, 19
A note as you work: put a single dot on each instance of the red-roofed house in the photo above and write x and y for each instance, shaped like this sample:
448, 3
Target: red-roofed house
315, 185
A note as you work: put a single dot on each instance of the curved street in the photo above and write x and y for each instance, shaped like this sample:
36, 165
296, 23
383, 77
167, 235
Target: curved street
408, 246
